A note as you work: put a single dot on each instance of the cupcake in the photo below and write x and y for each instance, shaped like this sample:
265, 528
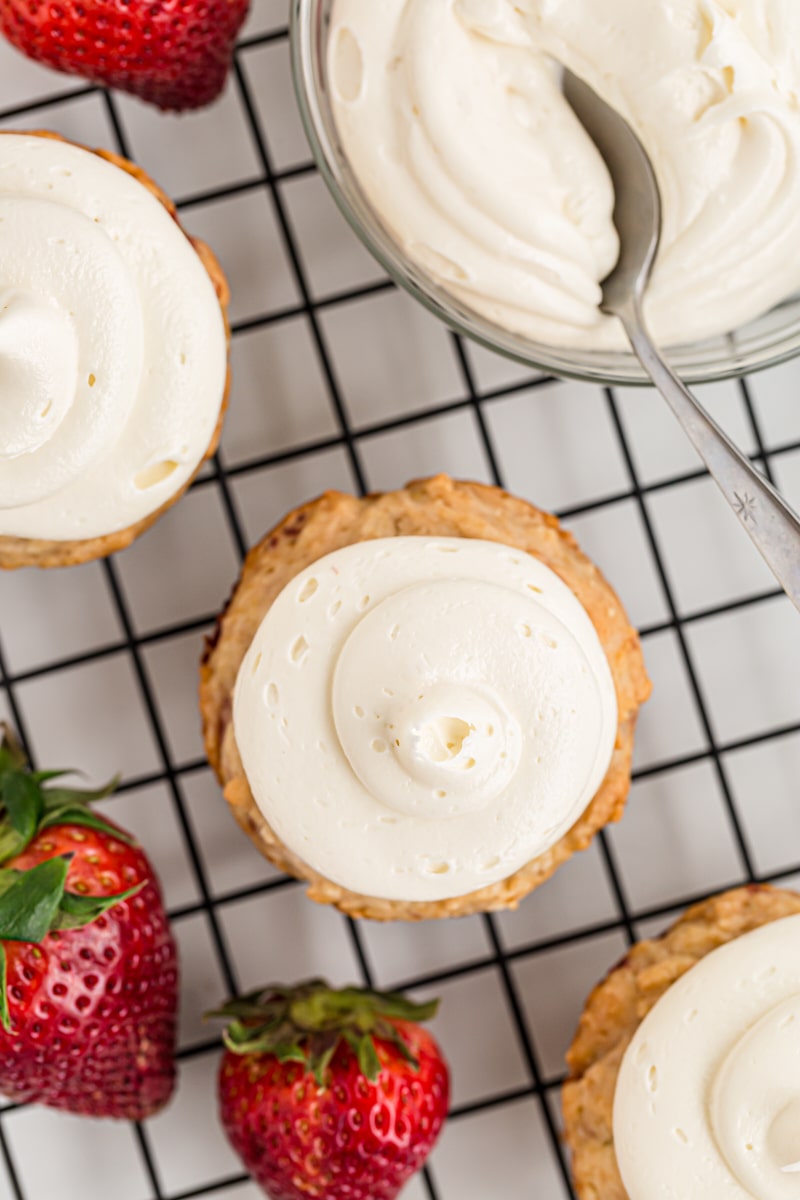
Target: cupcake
422, 702
684, 1070
113, 352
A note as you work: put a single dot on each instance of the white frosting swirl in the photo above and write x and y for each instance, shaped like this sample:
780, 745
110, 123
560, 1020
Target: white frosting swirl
112, 345
451, 115
420, 717
707, 1104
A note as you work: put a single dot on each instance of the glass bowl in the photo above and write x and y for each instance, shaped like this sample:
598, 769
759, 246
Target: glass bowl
772, 339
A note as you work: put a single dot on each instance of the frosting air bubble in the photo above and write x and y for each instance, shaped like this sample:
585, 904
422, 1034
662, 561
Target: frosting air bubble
418, 718
708, 1096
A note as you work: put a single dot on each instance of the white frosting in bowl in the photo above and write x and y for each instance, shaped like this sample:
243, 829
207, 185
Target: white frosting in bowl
451, 115
707, 1104
419, 717
112, 346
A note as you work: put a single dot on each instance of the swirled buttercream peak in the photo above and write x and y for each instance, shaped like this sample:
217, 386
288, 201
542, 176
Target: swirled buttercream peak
420, 717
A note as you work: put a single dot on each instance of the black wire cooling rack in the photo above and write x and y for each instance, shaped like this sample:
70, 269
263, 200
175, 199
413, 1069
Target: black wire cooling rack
512, 962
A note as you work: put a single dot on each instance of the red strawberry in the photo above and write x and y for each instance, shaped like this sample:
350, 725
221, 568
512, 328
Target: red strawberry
331, 1095
174, 53
88, 968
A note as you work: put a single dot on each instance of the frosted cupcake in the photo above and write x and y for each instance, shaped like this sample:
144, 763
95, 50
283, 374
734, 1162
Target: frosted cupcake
422, 702
113, 352
685, 1071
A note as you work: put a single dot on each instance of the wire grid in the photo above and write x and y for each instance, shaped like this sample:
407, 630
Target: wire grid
509, 961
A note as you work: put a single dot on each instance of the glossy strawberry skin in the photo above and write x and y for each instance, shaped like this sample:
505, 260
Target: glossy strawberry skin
93, 1009
353, 1140
174, 53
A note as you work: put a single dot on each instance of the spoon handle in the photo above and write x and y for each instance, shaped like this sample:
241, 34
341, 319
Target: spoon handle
765, 515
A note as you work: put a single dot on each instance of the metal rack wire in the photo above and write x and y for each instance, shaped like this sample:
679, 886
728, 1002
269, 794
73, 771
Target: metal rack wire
540, 1086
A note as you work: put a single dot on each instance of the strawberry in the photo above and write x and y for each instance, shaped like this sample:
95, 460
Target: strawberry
331, 1095
174, 53
88, 970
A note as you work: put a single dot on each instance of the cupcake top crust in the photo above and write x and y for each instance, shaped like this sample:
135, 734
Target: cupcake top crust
450, 614
112, 345
420, 717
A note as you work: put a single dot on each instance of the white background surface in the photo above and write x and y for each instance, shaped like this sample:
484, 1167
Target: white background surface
101, 661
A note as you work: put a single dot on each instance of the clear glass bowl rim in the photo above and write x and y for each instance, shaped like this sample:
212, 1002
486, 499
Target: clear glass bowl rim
764, 343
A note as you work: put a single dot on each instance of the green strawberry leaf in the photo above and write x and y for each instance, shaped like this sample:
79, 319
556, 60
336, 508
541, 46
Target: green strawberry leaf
243, 1010
11, 844
24, 804
392, 1004
364, 1049
46, 776
57, 797
5, 1015
27, 897
76, 911
8, 878
75, 815
388, 1033
267, 1023
27, 805
261, 1039
321, 1055
12, 756
368, 1059
290, 1052
29, 905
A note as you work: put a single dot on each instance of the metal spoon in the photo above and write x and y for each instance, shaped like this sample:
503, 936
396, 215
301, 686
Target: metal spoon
767, 518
